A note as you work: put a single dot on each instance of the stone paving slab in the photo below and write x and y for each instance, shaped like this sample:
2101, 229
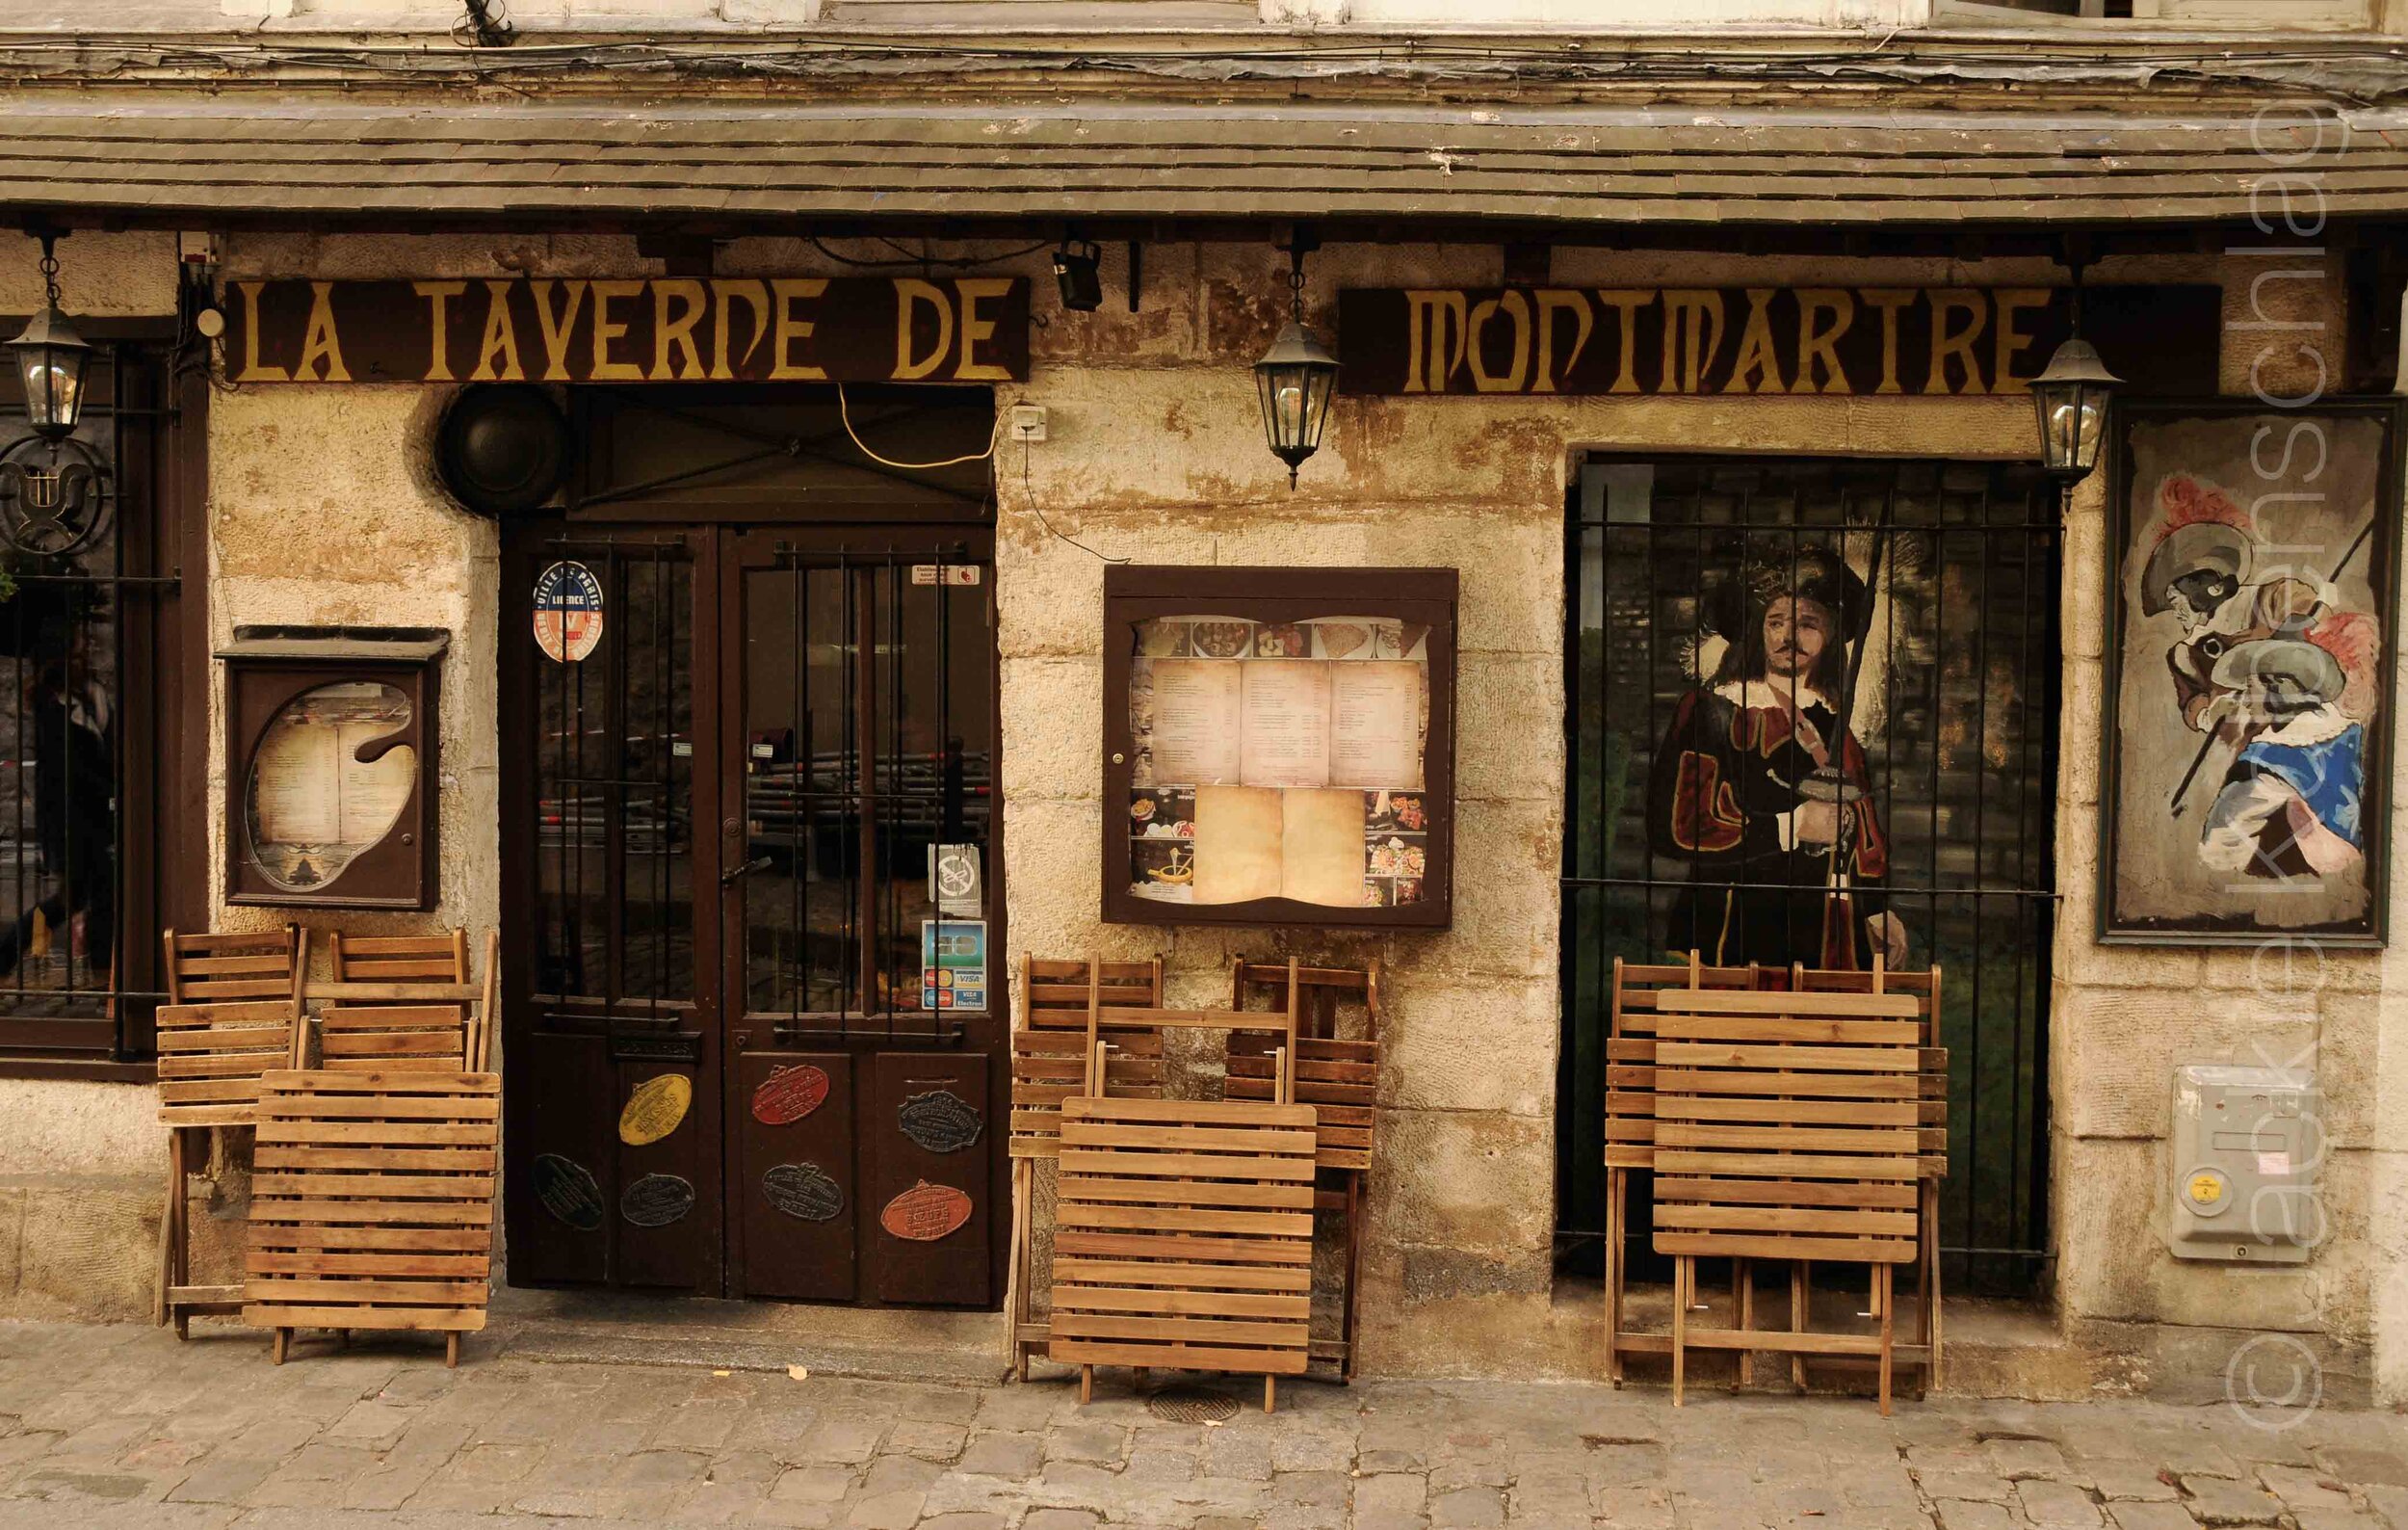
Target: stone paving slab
123, 1427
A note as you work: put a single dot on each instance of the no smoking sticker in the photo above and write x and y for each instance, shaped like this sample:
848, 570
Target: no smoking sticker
568, 612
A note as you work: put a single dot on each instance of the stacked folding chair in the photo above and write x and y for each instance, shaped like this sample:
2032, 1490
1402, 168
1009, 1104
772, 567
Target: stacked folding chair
372, 1198
1339, 1077
1184, 1229
234, 1015
1049, 1065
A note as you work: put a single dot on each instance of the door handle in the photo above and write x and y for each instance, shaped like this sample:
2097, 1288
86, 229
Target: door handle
727, 879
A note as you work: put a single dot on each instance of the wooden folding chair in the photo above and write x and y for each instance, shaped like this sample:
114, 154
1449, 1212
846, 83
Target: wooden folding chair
372, 1203
1049, 1065
236, 1017
212, 968
1788, 1127
447, 1032
1184, 1229
1339, 1077
1631, 1121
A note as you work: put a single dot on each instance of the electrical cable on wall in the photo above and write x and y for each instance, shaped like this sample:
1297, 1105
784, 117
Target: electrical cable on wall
843, 411
1027, 492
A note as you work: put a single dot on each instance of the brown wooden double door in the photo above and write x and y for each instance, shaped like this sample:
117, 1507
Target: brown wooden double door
721, 1076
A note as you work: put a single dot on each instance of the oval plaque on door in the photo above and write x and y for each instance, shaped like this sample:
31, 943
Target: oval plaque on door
789, 1094
925, 1213
564, 1188
656, 1201
803, 1192
940, 1121
655, 1109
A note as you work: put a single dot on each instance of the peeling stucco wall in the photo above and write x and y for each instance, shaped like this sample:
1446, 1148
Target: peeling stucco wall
322, 511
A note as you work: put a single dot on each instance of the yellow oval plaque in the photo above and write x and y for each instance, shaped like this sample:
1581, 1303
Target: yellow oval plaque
654, 1110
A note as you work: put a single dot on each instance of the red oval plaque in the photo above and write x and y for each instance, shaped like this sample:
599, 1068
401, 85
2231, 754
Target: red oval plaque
789, 1094
925, 1212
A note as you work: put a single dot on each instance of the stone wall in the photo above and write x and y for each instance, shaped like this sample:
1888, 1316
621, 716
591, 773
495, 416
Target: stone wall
323, 511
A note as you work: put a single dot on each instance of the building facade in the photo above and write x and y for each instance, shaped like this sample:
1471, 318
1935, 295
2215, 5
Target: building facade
1625, 336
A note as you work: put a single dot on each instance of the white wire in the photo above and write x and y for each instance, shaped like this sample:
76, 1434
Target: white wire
843, 411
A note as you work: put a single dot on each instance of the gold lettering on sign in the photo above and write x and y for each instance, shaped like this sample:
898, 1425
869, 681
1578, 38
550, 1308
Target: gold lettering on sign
792, 328
1892, 301
252, 369
557, 326
1818, 346
1948, 341
1518, 308
909, 293
1426, 363
1692, 336
1757, 352
2013, 342
676, 332
605, 330
975, 329
1553, 300
439, 293
497, 353
1628, 300
321, 346
755, 295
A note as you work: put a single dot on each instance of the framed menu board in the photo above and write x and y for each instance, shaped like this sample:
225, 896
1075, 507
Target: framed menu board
1279, 746
331, 754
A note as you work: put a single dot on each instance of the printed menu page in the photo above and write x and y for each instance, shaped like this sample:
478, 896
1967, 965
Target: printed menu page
1195, 720
1376, 725
1285, 723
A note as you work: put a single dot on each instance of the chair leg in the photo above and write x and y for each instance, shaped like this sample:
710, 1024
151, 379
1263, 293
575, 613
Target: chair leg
451, 1349
276, 1346
1683, 1272
1353, 1272
1743, 1287
1271, 1393
1086, 1384
167, 1224
1801, 1305
1881, 1294
1614, 1207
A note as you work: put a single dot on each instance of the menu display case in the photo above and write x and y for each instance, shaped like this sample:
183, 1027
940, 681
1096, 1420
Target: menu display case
330, 768
1279, 746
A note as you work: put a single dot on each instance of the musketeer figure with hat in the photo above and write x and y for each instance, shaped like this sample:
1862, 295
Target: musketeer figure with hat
1760, 786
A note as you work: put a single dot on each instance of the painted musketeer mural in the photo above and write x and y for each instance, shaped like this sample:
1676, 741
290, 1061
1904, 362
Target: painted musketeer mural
2255, 559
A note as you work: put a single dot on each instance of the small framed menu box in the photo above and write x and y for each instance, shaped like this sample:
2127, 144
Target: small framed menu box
1278, 745
331, 754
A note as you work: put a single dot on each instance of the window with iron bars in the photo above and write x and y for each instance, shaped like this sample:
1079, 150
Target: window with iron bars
101, 716
1918, 600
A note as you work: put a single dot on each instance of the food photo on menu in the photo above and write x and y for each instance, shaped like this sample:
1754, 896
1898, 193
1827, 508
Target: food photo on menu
1279, 760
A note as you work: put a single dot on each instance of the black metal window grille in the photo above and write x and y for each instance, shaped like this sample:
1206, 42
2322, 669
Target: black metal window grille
1955, 704
80, 660
615, 792
863, 751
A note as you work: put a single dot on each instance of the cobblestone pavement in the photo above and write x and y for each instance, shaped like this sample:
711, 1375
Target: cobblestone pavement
123, 1427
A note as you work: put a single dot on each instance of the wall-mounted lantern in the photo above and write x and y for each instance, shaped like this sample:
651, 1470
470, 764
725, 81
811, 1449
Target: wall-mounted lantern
51, 359
1297, 374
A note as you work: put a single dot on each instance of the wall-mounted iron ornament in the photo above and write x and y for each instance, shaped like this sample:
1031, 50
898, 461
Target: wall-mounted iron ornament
567, 1191
54, 495
804, 1192
940, 1121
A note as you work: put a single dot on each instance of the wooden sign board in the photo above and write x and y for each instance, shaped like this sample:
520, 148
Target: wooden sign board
1839, 340
639, 329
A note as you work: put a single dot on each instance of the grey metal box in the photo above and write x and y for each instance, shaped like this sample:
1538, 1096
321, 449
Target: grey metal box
2247, 1144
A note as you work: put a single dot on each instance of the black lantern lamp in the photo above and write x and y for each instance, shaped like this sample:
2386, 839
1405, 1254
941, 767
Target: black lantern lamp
50, 360
1077, 275
1296, 376
2072, 397
2072, 394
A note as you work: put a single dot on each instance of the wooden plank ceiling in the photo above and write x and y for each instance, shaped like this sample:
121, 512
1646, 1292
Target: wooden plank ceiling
156, 154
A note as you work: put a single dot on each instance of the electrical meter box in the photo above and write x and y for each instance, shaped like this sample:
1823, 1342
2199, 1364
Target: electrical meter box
2247, 1143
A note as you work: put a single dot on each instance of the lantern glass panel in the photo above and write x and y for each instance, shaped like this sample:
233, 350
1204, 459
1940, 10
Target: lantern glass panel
54, 386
